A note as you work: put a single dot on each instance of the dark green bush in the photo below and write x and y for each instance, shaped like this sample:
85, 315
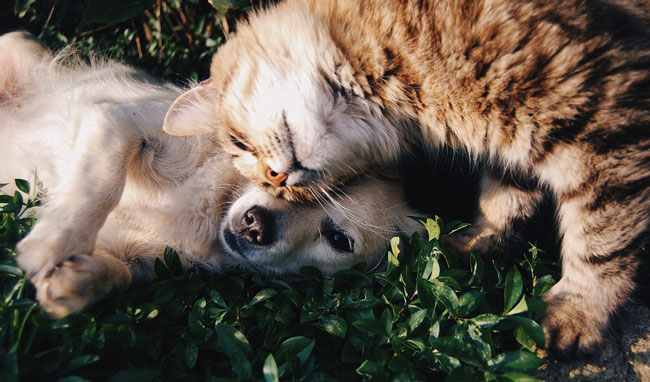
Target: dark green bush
424, 317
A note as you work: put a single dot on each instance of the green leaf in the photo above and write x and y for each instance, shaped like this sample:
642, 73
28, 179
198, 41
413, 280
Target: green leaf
9, 366
521, 307
112, 12
417, 344
513, 289
393, 254
270, 369
191, 354
416, 318
263, 295
135, 375
232, 340
82, 361
517, 377
486, 320
311, 273
433, 228
387, 321
234, 344
216, 298
542, 285
399, 364
73, 378
519, 361
161, 269
18, 198
295, 348
446, 296
425, 292
10, 269
477, 267
528, 329
371, 326
224, 6
22, 185
334, 325
468, 302
461, 350
173, 261
463, 373
22, 6
369, 369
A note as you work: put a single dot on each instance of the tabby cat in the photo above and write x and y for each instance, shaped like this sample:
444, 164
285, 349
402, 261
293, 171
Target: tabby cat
312, 92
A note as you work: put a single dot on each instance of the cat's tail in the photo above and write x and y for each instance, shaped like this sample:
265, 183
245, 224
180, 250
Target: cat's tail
20, 53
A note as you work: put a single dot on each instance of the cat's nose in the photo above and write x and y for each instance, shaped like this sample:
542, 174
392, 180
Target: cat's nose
278, 179
257, 226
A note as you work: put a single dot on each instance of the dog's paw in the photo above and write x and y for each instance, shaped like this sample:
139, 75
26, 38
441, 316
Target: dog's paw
572, 331
48, 245
35, 255
79, 281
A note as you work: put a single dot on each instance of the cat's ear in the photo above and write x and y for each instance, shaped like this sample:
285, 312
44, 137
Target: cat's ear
192, 113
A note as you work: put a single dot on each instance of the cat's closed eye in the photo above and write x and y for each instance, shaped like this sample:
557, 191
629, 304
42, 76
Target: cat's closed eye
240, 144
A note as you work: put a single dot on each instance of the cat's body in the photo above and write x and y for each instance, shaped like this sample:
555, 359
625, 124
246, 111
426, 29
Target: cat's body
311, 92
118, 191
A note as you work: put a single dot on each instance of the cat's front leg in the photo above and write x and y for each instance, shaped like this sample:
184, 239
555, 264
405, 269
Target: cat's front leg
89, 188
501, 204
79, 281
600, 248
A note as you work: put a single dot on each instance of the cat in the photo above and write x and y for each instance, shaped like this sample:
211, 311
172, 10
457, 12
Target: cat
311, 92
118, 192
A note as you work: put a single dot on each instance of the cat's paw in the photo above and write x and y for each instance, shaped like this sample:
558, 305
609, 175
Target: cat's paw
77, 282
477, 237
572, 331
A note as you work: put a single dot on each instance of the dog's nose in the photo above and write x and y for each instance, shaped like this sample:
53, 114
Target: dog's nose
257, 226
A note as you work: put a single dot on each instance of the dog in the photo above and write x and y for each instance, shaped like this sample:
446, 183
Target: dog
117, 191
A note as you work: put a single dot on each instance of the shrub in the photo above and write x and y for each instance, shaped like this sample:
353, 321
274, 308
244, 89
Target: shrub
423, 317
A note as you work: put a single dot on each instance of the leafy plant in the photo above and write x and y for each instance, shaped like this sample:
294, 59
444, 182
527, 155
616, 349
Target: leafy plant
163, 37
426, 316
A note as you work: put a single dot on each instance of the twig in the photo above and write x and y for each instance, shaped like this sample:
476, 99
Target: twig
91, 31
138, 45
49, 17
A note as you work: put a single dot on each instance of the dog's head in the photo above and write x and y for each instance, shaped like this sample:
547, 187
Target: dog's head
331, 234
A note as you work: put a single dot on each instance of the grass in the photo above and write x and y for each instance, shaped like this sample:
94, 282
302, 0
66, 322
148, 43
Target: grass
424, 317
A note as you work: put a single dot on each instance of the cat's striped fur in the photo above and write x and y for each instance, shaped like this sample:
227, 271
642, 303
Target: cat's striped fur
313, 91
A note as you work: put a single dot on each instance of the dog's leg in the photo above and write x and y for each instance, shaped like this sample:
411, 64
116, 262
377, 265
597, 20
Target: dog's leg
106, 140
79, 281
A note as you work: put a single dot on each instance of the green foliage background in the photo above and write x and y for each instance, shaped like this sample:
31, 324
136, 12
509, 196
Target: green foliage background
424, 317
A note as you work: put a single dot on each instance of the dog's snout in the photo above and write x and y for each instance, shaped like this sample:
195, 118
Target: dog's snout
257, 226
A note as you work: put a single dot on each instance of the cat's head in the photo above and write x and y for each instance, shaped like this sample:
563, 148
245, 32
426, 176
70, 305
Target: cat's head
287, 108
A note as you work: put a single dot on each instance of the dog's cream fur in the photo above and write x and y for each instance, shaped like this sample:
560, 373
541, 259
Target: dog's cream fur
118, 191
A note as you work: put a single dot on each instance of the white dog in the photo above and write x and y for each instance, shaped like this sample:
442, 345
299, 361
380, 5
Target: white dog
118, 191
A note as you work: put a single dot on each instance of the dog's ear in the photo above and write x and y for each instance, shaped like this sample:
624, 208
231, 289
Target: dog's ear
192, 113
20, 54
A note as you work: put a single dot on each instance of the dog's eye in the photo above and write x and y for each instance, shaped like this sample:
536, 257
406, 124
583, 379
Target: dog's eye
339, 241
239, 143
